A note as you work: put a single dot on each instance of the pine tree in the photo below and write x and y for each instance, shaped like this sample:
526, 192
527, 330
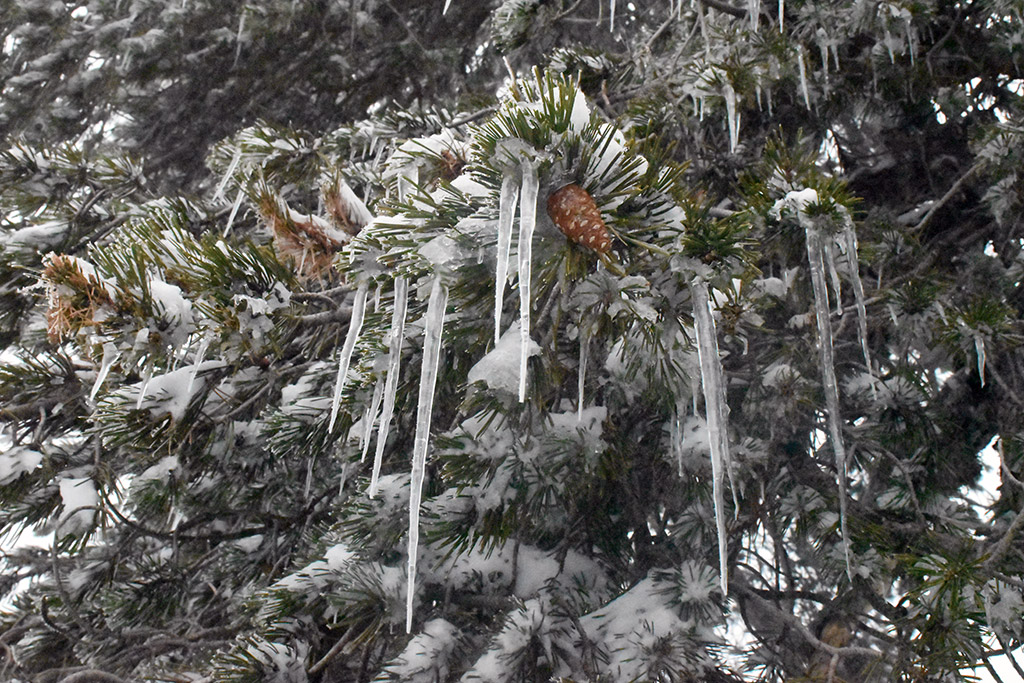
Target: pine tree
520, 341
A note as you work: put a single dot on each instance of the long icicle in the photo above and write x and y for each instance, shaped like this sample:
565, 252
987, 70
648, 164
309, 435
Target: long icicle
581, 375
714, 407
506, 213
527, 223
370, 416
391, 385
850, 237
833, 274
803, 76
355, 325
432, 330
815, 258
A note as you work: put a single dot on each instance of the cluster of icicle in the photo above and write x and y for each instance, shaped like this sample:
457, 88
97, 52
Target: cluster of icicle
520, 186
525, 195
821, 258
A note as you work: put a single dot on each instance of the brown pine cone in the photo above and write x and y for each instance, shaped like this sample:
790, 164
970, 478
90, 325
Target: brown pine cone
576, 214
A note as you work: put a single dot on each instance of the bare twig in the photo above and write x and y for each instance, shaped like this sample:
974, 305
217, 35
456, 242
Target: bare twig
335, 650
944, 199
469, 118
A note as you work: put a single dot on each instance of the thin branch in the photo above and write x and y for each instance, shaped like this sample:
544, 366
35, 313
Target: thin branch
1003, 545
944, 199
725, 7
405, 25
92, 676
469, 118
340, 314
1009, 655
572, 8
335, 650
795, 624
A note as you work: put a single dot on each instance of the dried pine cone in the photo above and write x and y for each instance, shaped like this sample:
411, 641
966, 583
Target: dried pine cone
575, 213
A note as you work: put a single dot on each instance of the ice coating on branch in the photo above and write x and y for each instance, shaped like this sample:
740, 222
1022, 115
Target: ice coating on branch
432, 330
391, 385
803, 75
355, 325
815, 258
733, 118
717, 412
527, 224
506, 213
850, 238
110, 354
370, 416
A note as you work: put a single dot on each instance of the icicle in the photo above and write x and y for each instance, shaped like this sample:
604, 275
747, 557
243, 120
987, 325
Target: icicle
146, 377
355, 324
432, 330
730, 112
850, 237
391, 385
408, 178
677, 435
370, 416
234, 212
219, 194
581, 374
815, 250
717, 413
910, 42
611, 16
447, 4
782, 16
238, 35
527, 223
979, 348
376, 297
110, 354
506, 212
803, 75
704, 31
754, 9
833, 275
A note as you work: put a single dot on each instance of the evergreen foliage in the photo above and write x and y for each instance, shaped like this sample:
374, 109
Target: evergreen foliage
748, 442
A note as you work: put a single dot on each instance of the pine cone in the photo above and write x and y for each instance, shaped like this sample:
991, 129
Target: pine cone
575, 213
